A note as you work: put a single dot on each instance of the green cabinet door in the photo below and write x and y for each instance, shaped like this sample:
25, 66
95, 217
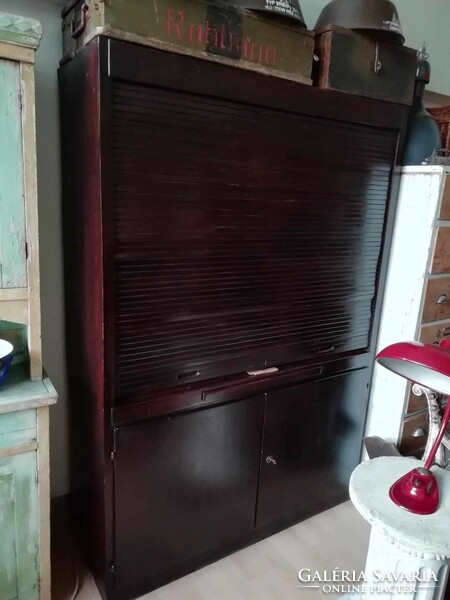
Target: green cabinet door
13, 273
19, 528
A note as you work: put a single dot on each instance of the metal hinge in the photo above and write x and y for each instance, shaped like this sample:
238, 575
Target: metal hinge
36, 476
20, 99
112, 568
113, 456
26, 250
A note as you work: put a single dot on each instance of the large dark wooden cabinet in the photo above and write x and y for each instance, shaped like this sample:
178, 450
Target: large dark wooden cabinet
217, 221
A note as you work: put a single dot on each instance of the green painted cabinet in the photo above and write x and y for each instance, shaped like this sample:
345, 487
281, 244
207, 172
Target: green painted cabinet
19, 237
19, 527
26, 394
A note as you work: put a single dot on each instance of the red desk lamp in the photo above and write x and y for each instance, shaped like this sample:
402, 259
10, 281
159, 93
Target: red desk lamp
429, 366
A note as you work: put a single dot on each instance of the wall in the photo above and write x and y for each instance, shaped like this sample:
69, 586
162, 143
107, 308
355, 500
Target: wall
422, 20
47, 58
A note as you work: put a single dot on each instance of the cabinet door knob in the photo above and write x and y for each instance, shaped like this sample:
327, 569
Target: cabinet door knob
419, 432
270, 460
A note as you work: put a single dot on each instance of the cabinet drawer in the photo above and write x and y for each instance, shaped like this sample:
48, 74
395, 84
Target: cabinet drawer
415, 403
441, 255
17, 428
437, 300
434, 333
445, 204
414, 434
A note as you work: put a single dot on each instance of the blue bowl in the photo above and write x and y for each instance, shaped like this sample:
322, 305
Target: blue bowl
6, 356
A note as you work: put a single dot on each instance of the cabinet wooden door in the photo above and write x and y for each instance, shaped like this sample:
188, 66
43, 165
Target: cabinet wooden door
13, 272
19, 528
184, 486
311, 443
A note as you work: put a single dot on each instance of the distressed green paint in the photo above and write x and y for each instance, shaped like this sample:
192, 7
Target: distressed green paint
17, 428
8, 550
12, 204
19, 527
17, 421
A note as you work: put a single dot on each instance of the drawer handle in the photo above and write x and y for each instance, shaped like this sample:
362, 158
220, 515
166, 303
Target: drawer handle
443, 299
329, 349
419, 432
271, 461
377, 64
188, 374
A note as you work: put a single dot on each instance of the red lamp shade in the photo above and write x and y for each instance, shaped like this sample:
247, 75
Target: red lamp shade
429, 366
425, 364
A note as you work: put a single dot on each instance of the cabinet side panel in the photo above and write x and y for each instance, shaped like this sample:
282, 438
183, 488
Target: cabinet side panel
80, 130
402, 301
12, 209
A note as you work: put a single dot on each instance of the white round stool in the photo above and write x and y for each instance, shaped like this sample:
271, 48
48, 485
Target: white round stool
402, 544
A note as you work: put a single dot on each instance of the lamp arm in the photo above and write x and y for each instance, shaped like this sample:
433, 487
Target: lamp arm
438, 440
434, 412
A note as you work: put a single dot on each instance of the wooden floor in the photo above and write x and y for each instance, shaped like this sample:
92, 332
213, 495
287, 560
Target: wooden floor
265, 571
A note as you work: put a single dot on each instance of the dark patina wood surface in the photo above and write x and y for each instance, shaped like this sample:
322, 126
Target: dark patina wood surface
216, 220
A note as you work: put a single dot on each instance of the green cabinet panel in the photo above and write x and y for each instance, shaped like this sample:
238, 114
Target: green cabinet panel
13, 273
19, 528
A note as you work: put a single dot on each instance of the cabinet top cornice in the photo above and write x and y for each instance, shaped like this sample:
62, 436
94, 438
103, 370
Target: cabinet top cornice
19, 30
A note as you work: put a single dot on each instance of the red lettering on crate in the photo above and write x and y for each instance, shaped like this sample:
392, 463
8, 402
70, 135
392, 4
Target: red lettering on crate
210, 39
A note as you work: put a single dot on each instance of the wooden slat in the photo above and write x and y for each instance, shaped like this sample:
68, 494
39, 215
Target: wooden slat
30, 189
8, 295
44, 502
16, 52
7, 452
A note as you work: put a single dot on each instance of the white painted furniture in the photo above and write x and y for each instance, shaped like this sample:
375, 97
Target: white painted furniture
27, 393
416, 303
401, 543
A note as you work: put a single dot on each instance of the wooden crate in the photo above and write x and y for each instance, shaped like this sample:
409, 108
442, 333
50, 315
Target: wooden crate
217, 32
356, 64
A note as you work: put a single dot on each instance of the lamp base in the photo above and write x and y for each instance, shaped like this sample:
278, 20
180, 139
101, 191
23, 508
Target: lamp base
416, 492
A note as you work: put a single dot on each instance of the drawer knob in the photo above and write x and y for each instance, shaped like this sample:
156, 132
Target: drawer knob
443, 299
271, 461
419, 432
